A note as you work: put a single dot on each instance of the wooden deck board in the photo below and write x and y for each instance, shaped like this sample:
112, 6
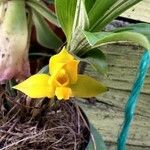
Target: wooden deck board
140, 12
107, 114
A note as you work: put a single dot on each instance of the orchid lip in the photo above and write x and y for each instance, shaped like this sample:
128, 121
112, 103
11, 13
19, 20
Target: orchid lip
62, 79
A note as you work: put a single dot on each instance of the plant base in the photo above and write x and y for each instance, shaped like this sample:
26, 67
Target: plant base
47, 129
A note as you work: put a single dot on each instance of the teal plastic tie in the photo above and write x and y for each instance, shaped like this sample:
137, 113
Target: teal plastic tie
133, 99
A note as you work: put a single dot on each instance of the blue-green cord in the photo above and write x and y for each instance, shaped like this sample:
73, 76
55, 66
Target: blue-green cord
133, 99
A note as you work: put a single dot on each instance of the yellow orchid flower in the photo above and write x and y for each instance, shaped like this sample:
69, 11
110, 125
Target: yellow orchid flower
63, 82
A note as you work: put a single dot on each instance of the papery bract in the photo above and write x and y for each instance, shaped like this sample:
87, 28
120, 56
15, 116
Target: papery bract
13, 59
14, 42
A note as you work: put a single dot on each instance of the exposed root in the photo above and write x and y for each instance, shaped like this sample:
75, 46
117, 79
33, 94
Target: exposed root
59, 127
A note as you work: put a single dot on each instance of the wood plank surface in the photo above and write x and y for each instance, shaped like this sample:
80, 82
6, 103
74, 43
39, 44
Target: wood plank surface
107, 114
140, 12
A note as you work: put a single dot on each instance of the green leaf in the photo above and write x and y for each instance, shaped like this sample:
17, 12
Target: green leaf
82, 89
81, 19
143, 28
89, 4
45, 36
93, 38
50, 1
111, 13
40, 54
110, 37
65, 10
81, 22
96, 59
96, 142
98, 10
43, 10
8, 88
127, 37
44, 70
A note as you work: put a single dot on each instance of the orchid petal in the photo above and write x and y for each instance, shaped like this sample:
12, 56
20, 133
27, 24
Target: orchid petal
36, 86
72, 70
62, 57
87, 87
63, 93
56, 71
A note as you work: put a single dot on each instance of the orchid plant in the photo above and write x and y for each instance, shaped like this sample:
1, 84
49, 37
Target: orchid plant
83, 23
